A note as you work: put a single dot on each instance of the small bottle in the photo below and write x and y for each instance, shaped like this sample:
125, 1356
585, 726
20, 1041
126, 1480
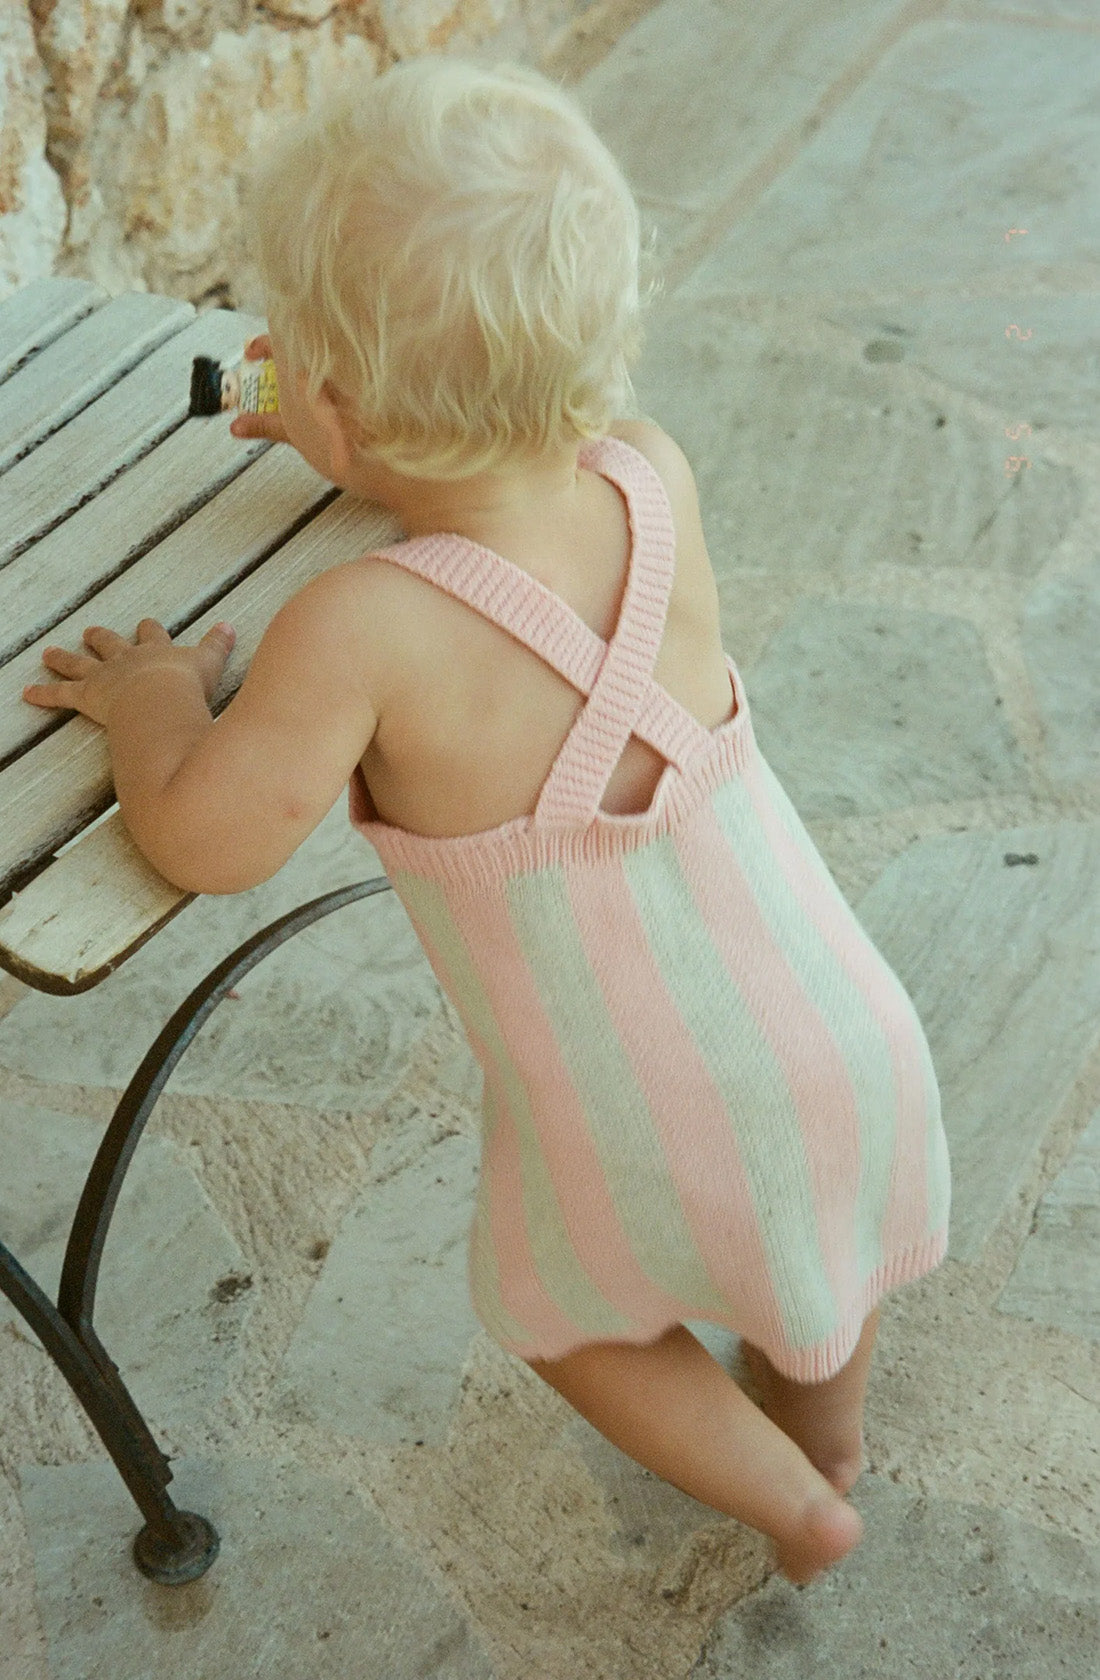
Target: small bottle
218, 386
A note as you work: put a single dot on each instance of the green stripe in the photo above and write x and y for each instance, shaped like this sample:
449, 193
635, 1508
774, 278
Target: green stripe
560, 1272
620, 1121
860, 1040
485, 1273
761, 1112
938, 1163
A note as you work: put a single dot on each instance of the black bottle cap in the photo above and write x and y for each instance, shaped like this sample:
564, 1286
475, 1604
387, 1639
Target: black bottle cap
206, 386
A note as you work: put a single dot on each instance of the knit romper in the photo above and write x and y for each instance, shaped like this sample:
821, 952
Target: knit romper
706, 1094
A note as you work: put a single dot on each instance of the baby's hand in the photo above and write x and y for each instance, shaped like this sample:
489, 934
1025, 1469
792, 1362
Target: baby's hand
92, 682
246, 425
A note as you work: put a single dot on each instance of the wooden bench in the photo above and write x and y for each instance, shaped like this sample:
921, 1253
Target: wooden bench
114, 506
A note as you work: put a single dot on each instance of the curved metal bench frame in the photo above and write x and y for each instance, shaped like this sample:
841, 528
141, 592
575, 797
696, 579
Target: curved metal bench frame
174, 1546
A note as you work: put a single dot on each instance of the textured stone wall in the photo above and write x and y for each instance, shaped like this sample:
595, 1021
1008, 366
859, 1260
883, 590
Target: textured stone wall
126, 125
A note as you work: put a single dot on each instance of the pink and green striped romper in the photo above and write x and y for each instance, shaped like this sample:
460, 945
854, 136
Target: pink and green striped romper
706, 1094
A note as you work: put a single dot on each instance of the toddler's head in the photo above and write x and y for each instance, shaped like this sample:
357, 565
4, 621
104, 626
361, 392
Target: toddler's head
455, 251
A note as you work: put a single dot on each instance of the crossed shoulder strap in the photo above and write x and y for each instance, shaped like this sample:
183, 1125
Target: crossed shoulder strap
617, 676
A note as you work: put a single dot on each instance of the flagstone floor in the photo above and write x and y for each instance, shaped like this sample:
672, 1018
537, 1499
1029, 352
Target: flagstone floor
876, 343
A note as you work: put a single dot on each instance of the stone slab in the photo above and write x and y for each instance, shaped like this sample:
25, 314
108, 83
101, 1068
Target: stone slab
811, 457
1011, 348
1056, 1279
994, 937
329, 1020
311, 1583
1069, 11
694, 97
1060, 637
863, 707
174, 1334
23, 1648
935, 1589
380, 1348
914, 177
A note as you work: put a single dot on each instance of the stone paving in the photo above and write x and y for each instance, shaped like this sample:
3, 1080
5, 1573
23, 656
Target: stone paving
917, 623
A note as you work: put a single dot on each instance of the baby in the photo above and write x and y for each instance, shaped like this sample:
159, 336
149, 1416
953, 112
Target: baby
706, 1095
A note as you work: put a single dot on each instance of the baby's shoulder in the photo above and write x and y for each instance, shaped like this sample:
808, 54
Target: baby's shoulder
661, 451
674, 470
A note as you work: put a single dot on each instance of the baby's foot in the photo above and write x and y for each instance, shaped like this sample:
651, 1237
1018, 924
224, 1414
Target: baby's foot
830, 1435
831, 1528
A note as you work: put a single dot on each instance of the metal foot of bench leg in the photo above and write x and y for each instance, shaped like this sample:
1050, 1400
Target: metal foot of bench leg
182, 1556
175, 1545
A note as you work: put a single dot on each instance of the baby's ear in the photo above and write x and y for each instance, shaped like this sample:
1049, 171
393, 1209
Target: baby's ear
340, 427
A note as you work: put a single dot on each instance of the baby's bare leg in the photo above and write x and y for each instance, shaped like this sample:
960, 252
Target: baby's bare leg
673, 1409
825, 1419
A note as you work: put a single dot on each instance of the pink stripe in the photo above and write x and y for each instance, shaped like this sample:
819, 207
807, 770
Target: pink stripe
906, 1219
522, 1294
678, 1087
587, 1209
804, 1049
521, 1291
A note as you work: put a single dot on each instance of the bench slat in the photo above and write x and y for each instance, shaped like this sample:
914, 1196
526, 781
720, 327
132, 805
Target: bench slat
68, 375
147, 500
40, 312
88, 910
115, 430
76, 754
176, 579
59, 572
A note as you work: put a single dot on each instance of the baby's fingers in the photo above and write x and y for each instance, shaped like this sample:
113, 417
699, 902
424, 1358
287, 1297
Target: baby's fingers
248, 425
57, 695
106, 643
258, 349
65, 664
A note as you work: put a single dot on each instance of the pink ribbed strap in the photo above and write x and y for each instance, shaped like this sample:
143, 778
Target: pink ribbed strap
617, 676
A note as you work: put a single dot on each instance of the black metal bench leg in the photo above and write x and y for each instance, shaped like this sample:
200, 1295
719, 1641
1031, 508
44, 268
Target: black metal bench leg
174, 1546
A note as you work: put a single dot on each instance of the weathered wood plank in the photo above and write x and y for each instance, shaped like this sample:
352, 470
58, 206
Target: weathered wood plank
174, 581
87, 910
51, 578
38, 313
56, 788
96, 542
90, 358
114, 431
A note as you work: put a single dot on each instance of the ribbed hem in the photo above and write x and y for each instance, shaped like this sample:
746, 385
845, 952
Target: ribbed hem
819, 1363
805, 1365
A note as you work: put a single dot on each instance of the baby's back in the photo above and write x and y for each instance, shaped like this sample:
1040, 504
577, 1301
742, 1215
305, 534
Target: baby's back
470, 721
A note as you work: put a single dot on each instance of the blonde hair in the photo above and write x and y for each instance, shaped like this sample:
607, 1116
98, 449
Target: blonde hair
457, 253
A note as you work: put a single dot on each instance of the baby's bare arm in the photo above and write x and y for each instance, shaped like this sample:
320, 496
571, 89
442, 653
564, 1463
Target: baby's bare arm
252, 785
